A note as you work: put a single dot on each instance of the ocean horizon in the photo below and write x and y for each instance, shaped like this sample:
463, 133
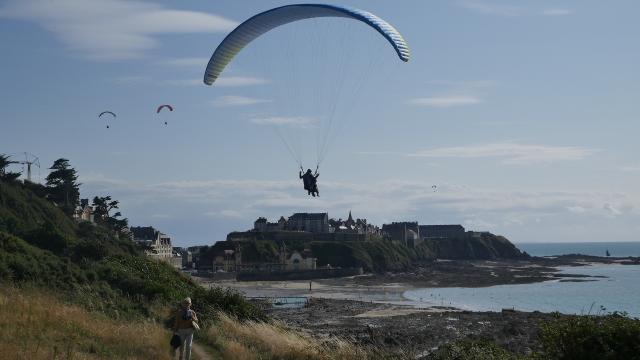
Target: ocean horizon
616, 249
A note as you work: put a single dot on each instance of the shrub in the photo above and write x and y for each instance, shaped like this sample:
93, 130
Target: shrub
48, 237
613, 336
471, 350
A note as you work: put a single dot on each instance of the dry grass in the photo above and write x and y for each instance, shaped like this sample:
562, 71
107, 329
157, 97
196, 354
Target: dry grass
253, 340
37, 326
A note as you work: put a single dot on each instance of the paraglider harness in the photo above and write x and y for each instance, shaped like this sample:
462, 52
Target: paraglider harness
310, 182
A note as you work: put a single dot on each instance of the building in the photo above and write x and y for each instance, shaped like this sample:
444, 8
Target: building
185, 256
156, 244
225, 261
351, 226
441, 231
405, 233
84, 211
262, 225
309, 222
301, 261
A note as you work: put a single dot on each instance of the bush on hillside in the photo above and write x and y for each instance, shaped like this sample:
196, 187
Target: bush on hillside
48, 237
471, 350
609, 337
22, 262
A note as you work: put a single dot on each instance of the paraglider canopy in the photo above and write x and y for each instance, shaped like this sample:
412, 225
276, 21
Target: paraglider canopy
107, 112
270, 19
164, 106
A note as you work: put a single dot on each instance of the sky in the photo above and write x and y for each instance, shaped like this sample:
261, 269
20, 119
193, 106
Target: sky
524, 115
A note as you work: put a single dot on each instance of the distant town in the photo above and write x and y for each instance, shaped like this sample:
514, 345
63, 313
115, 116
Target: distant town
303, 227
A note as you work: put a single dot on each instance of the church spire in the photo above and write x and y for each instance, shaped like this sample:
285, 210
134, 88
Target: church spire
350, 219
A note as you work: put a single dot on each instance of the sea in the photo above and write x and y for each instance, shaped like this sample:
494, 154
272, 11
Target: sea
617, 249
613, 288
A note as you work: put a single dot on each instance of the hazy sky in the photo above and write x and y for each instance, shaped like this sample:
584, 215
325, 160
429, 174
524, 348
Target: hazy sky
524, 114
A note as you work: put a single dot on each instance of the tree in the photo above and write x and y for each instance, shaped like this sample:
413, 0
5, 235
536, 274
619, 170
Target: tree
64, 190
5, 175
102, 207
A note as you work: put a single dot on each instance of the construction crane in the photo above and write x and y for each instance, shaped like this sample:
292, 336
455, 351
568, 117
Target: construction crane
29, 160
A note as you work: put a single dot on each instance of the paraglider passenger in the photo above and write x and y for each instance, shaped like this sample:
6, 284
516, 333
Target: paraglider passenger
314, 185
310, 182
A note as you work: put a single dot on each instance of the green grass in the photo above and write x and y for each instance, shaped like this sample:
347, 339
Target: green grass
89, 265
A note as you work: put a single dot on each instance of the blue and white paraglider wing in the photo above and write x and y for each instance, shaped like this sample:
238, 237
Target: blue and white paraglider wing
264, 22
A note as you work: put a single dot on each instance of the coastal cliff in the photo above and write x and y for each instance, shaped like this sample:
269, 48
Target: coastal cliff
373, 255
485, 246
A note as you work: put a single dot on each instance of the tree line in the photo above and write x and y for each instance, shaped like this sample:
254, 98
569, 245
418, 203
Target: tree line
63, 190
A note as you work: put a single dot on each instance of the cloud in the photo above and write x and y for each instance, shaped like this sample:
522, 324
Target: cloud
576, 209
298, 121
186, 62
630, 168
184, 82
229, 81
492, 9
468, 84
112, 29
233, 100
226, 213
612, 211
131, 80
235, 81
511, 153
510, 10
557, 12
234, 205
446, 101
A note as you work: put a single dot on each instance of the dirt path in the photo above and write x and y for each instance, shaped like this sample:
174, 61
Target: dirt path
199, 353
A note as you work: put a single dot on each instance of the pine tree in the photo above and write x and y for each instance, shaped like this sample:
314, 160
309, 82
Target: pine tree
63, 186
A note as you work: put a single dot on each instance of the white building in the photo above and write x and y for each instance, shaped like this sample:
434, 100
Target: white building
156, 244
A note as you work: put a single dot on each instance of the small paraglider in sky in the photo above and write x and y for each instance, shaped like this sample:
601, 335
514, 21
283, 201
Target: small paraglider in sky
109, 113
162, 107
434, 188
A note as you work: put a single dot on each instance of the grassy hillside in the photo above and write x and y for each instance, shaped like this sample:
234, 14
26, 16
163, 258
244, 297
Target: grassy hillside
485, 247
89, 265
376, 255
36, 325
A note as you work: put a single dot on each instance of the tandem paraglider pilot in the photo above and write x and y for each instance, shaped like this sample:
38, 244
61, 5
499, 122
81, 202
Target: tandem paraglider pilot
310, 181
184, 324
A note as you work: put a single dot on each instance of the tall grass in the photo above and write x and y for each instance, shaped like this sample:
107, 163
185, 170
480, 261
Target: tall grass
260, 340
35, 325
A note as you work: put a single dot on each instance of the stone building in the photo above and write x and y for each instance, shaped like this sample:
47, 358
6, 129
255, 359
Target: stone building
262, 225
156, 244
441, 231
84, 211
301, 261
309, 222
405, 233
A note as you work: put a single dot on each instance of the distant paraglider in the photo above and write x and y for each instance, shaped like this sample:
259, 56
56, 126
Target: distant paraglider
434, 188
162, 107
109, 113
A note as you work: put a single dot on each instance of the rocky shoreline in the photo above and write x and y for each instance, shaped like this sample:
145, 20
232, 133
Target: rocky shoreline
370, 310
409, 332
